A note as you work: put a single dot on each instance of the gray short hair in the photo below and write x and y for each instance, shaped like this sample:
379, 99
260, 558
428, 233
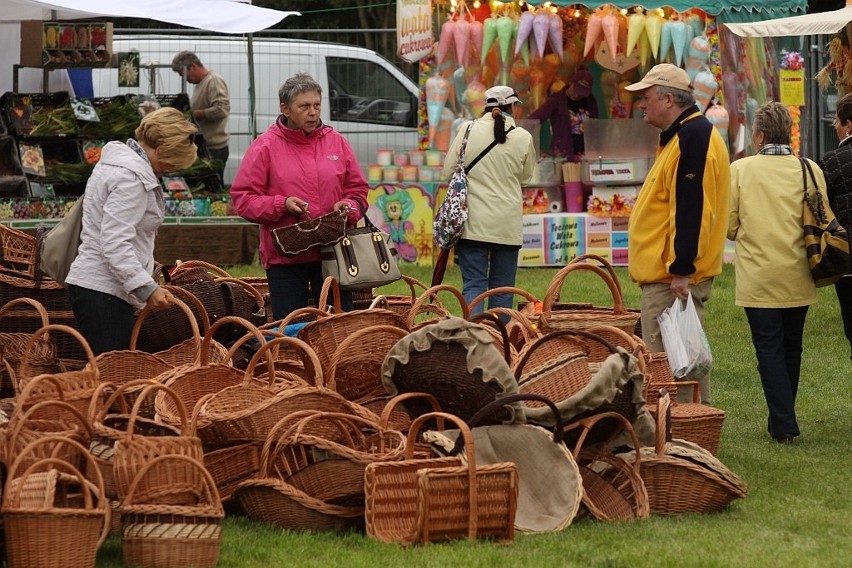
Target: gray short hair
682, 98
183, 60
296, 85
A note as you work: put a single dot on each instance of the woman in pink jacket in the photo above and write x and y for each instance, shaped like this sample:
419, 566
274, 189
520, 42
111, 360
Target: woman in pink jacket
299, 166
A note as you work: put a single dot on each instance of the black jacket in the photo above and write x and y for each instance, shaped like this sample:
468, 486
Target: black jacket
837, 167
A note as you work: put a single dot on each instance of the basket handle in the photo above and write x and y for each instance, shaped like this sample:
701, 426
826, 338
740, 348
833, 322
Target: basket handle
137, 326
490, 318
203, 319
25, 358
499, 403
274, 343
519, 368
117, 396
210, 490
248, 288
308, 311
347, 424
604, 264
23, 302
555, 286
503, 290
392, 404
248, 337
329, 285
637, 346
17, 422
664, 423
30, 386
464, 432
433, 292
186, 264
345, 347
185, 426
207, 340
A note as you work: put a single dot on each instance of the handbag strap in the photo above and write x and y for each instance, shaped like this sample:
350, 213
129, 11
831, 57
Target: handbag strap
482, 154
463, 145
819, 213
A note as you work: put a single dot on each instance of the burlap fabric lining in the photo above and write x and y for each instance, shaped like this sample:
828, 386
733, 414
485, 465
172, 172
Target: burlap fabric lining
550, 487
481, 356
605, 384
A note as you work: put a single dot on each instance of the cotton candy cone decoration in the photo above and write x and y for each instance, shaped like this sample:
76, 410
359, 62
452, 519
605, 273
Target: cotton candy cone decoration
541, 28
704, 88
654, 29
459, 85
461, 37
697, 55
489, 34
680, 40
696, 22
437, 91
593, 33
476, 31
635, 27
475, 96
446, 40
554, 36
665, 40
525, 26
644, 50
718, 117
505, 30
609, 26
441, 140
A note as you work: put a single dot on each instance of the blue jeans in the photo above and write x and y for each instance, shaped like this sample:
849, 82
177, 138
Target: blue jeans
289, 285
485, 266
106, 321
777, 337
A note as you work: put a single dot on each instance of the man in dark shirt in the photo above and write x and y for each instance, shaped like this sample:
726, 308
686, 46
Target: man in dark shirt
566, 110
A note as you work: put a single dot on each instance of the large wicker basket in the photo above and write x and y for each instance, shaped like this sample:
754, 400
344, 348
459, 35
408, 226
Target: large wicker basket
579, 316
43, 358
164, 536
439, 499
355, 368
53, 517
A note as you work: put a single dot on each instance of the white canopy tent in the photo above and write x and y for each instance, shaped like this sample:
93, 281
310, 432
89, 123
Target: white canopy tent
809, 24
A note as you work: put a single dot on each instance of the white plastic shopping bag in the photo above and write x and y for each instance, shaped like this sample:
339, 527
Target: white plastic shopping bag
684, 340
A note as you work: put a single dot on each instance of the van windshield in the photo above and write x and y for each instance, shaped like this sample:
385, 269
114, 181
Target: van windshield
362, 91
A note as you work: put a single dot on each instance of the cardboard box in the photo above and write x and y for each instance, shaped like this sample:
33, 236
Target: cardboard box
66, 44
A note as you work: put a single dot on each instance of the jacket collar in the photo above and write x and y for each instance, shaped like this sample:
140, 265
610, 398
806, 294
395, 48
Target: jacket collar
120, 155
669, 133
297, 136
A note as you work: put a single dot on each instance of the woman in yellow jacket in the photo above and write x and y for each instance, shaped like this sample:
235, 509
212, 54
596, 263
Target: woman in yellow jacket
773, 279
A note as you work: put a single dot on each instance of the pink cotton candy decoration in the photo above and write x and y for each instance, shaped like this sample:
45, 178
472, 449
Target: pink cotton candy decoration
446, 40
554, 36
593, 33
505, 28
541, 27
719, 118
461, 36
476, 30
489, 34
635, 27
697, 55
525, 26
654, 29
704, 88
609, 25
665, 40
680, 40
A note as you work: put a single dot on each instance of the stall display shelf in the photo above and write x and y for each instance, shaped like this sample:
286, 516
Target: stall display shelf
193, 221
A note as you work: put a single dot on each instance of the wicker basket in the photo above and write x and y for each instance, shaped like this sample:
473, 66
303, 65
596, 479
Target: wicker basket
18, 250
394, 416
53, 517
159, 535
230, 465
133, 450
327, 229
43, 358
428, 308
440, 499
681, 477
196, 279
693, 421
355, 368
613, 490
77, 387
241, 300
578, 316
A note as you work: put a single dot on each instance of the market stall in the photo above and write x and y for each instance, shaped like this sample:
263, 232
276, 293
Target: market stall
537, 48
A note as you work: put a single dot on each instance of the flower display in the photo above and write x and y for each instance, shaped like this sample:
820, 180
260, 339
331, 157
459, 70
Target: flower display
792, 60
616, 206
795, 134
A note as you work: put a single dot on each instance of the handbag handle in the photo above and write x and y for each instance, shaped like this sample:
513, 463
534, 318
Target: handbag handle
819, 213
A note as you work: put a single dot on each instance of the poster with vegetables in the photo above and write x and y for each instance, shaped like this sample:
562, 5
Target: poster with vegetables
32, 159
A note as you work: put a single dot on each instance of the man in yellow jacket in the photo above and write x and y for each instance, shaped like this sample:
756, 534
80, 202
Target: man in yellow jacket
676, 235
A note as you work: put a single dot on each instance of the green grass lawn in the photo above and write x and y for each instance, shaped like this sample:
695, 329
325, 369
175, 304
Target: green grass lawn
799, 508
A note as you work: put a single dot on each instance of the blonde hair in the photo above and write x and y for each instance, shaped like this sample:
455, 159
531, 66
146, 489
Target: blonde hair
168, 130
775, 122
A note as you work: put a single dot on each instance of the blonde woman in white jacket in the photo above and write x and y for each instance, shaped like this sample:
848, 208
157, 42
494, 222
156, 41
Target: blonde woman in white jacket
124, 207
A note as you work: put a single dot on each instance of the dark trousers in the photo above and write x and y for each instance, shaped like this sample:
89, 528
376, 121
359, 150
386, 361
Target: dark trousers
843, 289
777, 337
288, 288
221, 155
106, 321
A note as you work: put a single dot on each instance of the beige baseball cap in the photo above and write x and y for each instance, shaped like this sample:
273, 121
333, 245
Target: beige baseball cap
663, 75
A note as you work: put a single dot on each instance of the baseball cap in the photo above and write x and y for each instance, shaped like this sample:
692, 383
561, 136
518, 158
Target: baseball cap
582, 83
500, 96
663, 75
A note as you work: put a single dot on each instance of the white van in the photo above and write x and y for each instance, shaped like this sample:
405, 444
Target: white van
365, 97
